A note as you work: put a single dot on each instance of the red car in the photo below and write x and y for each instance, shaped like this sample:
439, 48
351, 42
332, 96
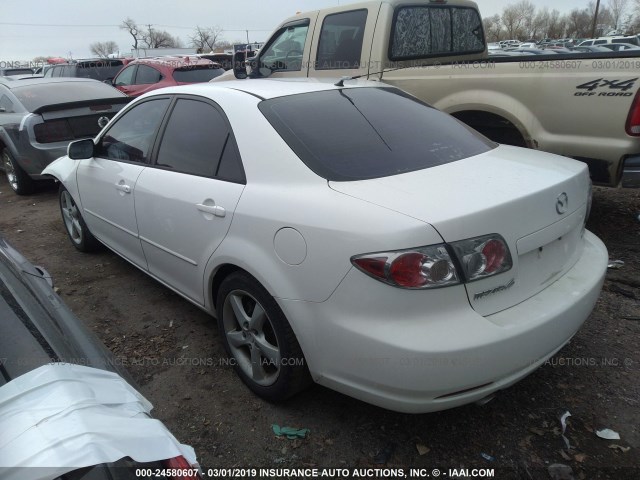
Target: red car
146, 74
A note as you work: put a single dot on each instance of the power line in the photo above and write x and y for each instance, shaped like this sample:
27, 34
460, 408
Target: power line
118, 26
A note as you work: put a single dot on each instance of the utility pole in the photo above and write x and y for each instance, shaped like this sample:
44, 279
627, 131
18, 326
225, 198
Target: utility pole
247, 37
595, 20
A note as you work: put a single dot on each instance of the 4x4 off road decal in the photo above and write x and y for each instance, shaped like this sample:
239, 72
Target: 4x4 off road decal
606, 88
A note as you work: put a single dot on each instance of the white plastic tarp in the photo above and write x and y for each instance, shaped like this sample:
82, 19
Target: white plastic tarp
61, 417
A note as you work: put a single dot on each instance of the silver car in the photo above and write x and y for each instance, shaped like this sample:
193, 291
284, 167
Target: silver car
40, 116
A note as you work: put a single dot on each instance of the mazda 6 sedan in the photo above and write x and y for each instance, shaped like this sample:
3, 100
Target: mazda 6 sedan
345, 234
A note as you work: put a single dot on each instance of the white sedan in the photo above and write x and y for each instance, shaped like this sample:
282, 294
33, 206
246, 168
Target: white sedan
350, 235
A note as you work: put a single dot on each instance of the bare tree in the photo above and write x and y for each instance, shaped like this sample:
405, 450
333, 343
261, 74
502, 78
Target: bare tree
103, 49
512, 21
526, 10
579, 23
618, 8
136, 33
206, 38
557, 25
540, 24
159, 39
492, 28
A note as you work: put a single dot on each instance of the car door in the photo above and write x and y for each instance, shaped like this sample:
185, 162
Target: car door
106, 183
185, 202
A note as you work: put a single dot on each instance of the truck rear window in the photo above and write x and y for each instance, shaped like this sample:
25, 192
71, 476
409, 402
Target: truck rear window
362, 133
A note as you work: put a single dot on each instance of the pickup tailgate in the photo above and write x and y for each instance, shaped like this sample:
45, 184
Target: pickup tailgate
510, 191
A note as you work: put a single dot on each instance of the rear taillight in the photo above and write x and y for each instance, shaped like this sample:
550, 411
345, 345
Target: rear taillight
179, 468
53, 131
424, 267
633, 121
482, 257
434, 267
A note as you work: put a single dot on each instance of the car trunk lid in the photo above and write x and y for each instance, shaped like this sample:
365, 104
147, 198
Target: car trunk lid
535, 201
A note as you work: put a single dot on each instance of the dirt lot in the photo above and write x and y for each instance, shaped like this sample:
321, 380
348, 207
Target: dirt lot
174, 352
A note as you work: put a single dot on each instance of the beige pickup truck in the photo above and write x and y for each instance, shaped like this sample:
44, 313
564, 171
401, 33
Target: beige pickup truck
580, 105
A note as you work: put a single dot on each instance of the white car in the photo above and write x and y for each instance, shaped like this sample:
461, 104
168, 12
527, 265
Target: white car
345, 233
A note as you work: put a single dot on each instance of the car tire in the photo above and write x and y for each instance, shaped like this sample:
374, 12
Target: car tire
19, 181
77, 230
258, 338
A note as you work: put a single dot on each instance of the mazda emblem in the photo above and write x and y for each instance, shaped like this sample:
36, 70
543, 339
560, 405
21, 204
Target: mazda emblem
562, 204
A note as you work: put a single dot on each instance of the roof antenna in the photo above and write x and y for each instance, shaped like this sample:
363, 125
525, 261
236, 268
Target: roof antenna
340, 83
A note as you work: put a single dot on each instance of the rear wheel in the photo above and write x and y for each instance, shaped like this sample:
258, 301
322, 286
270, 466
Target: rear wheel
256, 334
19, 181
77, 230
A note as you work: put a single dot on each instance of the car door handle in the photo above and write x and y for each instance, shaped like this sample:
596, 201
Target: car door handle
216, 210
123, 187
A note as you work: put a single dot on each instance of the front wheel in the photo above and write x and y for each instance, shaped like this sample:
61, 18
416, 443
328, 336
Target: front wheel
19, 181
257, 336
78, 232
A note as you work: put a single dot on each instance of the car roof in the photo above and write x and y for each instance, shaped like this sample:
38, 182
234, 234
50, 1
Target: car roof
173, 61
44, 80
271, 88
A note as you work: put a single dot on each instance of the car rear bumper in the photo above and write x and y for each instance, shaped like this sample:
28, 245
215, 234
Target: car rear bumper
422, 351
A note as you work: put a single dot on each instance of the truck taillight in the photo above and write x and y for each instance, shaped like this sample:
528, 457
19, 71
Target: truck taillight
433, 266
633, 122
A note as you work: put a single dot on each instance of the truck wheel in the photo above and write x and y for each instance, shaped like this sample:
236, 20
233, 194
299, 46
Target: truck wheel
19, 181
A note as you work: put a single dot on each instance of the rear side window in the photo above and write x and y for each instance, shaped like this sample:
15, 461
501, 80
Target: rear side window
599, 42
362, 133
195, 139
340, 44
147, 75
131, 137
196, 74
126, 76
420, 32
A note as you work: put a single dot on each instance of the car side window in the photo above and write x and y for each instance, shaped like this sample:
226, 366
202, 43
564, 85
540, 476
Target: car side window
126, 76
194, 140
599, 42
147, 75
340, 44
285, 52
131, 137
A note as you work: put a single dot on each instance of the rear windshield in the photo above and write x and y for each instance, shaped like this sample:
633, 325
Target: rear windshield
202, 73
362, 133
99, 69
16, 71
36, 96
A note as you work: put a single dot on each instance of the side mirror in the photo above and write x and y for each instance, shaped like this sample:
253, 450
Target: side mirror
81, 149
240, 65
108, 81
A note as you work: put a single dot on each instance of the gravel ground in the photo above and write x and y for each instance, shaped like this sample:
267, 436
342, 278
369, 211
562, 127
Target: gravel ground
173, 351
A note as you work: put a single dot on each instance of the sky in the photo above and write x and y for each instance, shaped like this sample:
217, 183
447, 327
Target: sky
66, 28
